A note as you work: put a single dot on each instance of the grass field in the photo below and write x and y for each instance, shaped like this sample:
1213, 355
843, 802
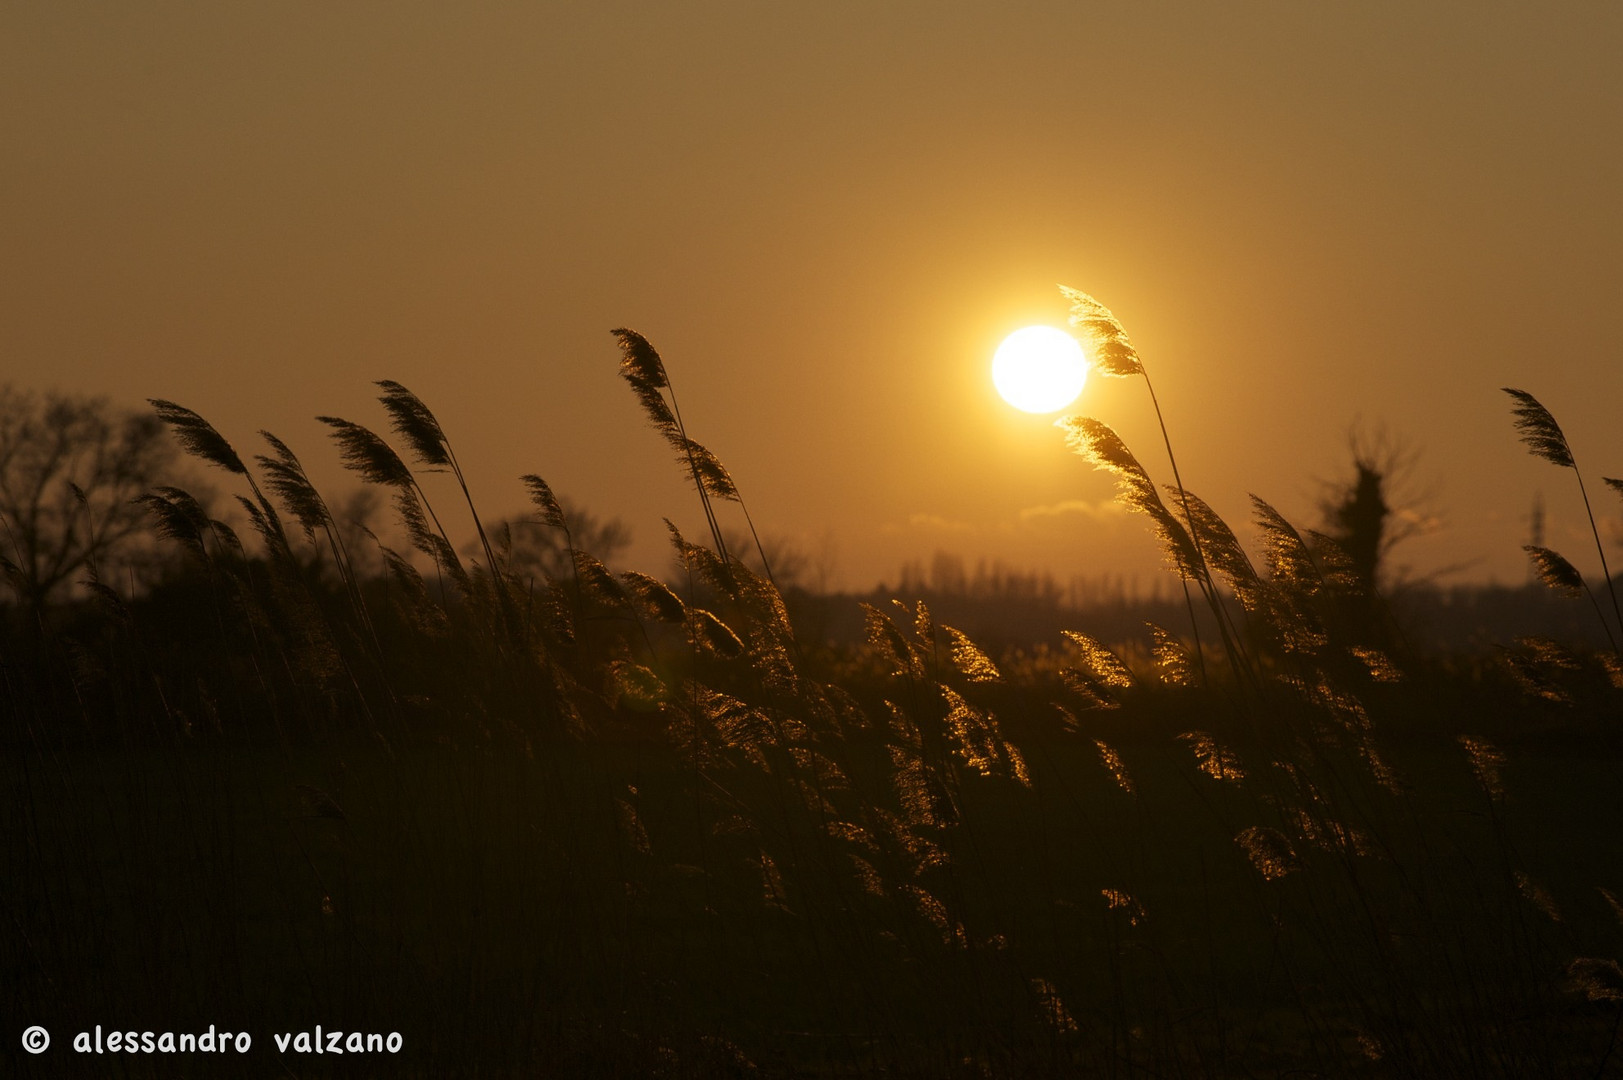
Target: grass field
492, 908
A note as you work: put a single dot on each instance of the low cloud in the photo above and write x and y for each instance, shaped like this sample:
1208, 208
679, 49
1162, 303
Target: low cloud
1422, 524
1109, 508
929, 523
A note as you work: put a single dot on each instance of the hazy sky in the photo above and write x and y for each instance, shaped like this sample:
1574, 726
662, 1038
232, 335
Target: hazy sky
826, 216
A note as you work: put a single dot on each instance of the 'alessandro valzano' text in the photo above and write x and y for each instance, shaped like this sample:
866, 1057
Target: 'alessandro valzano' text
212, 1042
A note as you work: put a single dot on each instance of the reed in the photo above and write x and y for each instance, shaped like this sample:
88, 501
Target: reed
1544, 439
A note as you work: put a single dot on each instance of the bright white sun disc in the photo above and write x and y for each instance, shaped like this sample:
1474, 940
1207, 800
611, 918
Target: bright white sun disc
1039, 369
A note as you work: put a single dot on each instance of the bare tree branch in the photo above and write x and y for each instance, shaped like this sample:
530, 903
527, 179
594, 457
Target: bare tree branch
71, 469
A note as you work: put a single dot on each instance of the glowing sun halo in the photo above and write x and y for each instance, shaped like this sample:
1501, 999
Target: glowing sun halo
1039, 369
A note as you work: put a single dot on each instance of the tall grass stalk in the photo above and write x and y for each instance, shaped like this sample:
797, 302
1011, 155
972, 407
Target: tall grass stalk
1545, 439
1114, 355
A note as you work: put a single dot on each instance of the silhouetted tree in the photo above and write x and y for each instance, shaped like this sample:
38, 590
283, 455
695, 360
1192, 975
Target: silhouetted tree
532, 549
70, 468
1364, 517
1359, 520
1373, 511
794, 568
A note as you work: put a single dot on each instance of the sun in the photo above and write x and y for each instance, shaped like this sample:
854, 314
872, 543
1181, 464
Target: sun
1039, 369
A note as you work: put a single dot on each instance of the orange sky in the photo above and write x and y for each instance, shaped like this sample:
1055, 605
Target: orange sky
826, 216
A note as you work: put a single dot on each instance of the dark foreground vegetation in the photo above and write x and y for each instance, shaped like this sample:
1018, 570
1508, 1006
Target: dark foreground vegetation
571, 823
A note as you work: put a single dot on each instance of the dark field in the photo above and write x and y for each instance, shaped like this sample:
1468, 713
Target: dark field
505, 913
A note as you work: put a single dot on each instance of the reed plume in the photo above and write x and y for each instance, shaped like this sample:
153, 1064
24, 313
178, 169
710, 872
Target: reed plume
1101, 447
885, 639
1112, 353
716, 636
286, 478
1545, 439
645, 372
1113, 764
1269, 851
1542, 667
1051, 1008
363, 451
1171, 658
413, 422
1214, 759
1538, 896
1117, 900
1290, 560
654, 597
974, 733
198, 437
1556, 572
552, 513
1102, 664
1486, 762
970, 660
596, 580
1101, 677
177, 516
1223, 551
1598, 979
1539, 431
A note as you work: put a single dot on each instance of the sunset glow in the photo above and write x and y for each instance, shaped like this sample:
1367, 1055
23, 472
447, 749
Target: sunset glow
508, 541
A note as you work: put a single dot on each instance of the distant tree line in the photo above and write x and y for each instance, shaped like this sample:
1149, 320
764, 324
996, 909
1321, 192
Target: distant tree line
77, 476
